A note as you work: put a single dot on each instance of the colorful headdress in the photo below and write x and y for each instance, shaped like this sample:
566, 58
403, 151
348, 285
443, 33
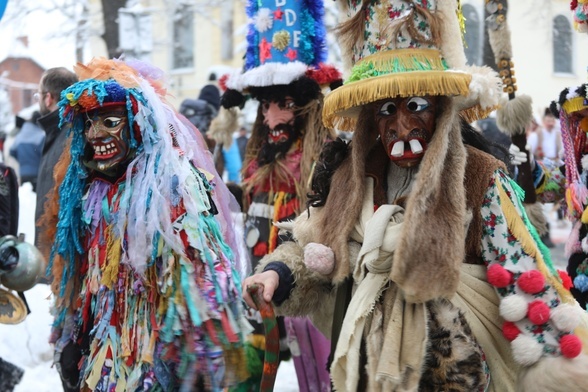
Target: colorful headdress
573, 133
168, 148
580, 11
286, 47
401, 48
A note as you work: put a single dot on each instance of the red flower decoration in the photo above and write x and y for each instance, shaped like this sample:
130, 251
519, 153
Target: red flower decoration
292, 54
565, 279
538, 312
278, 14
570, 346
510, 330
265, 50
531, 282
498, 276
574, 5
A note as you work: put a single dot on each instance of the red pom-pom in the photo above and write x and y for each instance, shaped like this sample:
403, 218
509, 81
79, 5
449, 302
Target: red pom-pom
510, 330
324, 74
498, 276
570, 346
531, 282
565, 279
538, 312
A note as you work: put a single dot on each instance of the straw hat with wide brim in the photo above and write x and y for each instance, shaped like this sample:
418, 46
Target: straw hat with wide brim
398, 48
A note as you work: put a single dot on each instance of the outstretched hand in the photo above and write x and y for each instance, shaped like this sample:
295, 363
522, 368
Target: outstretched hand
268, 279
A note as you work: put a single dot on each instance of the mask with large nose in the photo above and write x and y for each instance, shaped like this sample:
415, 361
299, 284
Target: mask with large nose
278, 117
406, 126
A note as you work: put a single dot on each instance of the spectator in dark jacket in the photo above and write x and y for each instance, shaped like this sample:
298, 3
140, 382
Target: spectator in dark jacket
52, 83
203, 110
27, 148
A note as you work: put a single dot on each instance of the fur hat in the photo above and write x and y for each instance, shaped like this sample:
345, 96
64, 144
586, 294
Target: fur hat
402, 48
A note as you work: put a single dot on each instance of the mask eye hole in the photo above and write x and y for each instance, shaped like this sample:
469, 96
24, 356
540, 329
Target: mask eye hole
264, 106
87, 124
288, 104
111, 122
417, 104
388, 109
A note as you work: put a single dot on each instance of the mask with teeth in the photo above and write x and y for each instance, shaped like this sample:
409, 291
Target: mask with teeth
406, 126
282, 125
107, 137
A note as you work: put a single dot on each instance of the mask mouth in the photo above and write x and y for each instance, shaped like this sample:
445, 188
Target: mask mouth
413, 148
278, 135
104, 149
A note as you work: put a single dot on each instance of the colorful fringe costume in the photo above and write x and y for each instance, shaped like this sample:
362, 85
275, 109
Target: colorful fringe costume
145, 265
284, 62
572, 111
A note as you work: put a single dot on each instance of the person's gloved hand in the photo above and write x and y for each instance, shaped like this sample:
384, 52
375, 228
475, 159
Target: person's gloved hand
516, 155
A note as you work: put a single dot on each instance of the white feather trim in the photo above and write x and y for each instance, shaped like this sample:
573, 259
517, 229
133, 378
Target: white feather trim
268, 74
585, 244
526, 350
485, 88
451, 45
585, 162
513, 308
263, 20
566, 317
572, 93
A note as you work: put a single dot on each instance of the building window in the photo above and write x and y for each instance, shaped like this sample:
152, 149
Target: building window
183, 38
473, 41
562, 45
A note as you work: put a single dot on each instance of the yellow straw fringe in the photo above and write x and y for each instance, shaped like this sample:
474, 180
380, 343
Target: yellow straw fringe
574, 105
476, 113
110, 271
346, 100
519, 230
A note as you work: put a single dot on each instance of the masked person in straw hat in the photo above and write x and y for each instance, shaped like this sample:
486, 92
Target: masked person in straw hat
144, 263
442, 283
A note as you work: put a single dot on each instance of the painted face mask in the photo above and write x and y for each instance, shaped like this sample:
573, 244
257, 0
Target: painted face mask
107, 134
278, 118
406, 126
282, 125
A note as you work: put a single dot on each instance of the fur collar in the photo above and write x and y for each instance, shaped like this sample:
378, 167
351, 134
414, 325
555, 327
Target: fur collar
431, 248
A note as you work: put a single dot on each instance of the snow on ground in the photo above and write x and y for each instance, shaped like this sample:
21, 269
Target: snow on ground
26, 344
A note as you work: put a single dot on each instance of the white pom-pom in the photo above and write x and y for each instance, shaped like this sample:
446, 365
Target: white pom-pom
319, 258
585, 244
263, 21
566, 317
526, 350
585, 162
513, 308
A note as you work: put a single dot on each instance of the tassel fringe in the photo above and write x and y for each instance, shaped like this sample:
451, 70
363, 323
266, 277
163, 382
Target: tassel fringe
346, 100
